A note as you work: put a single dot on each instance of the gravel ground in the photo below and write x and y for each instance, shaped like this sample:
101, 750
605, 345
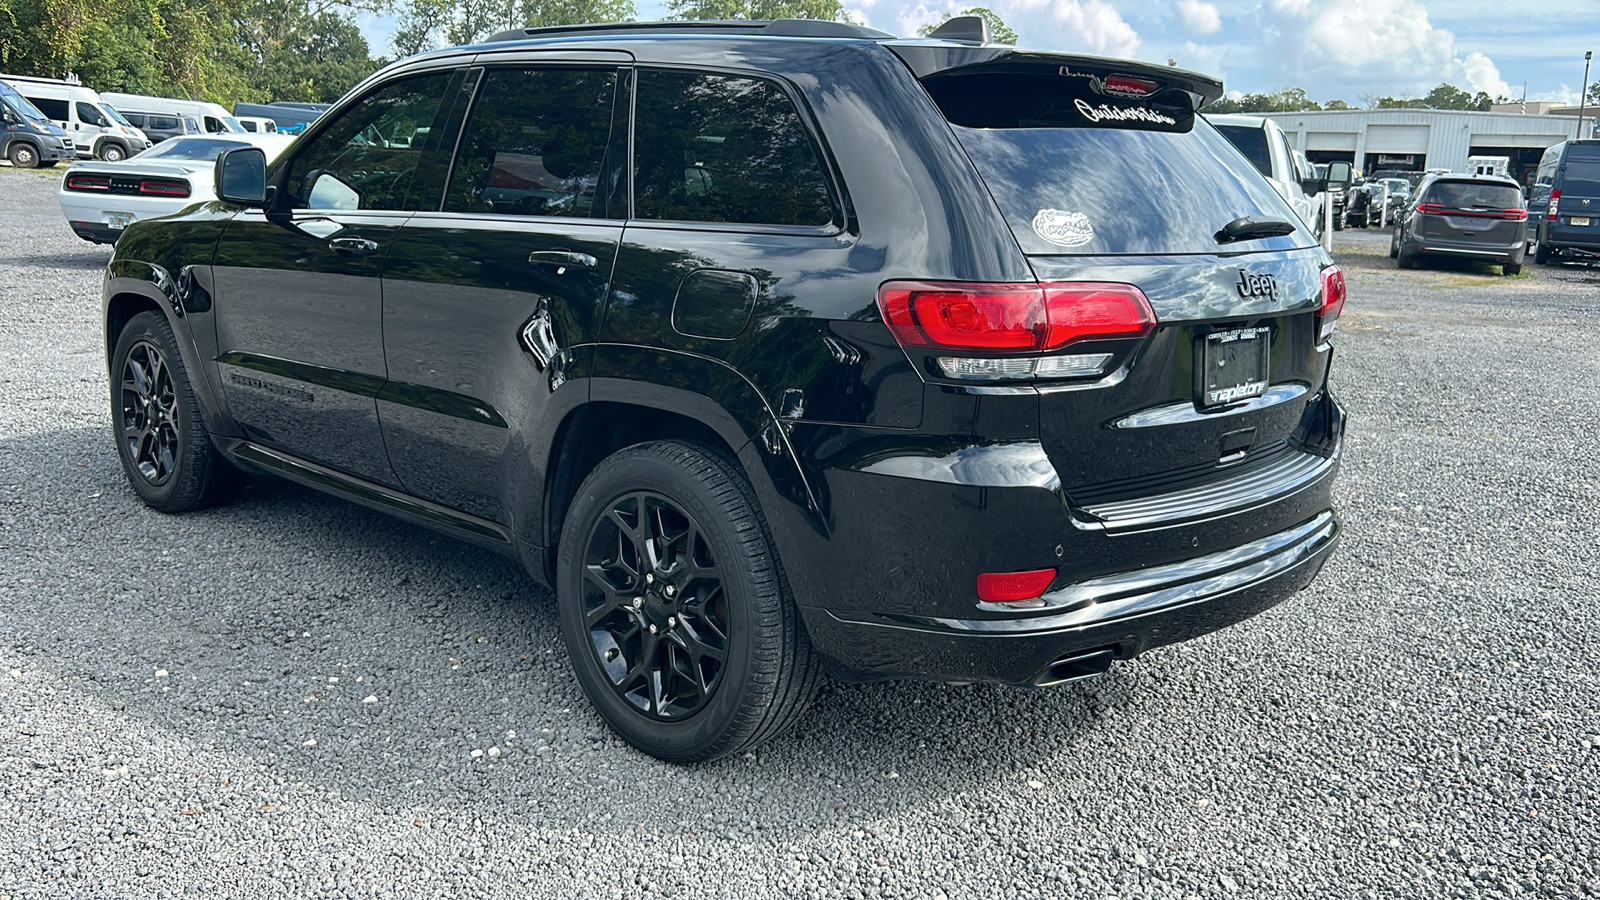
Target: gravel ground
293, 696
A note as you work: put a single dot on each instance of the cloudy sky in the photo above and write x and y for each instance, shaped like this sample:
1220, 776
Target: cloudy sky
1344, 49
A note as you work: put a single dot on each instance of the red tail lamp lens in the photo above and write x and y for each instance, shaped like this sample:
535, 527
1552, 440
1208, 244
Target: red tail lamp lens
88, 183
1127, 84
164, 188
1003, 587
1000, 318
1333, 293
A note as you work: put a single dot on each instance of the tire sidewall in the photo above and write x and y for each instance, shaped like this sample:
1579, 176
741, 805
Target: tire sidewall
703, 730
152, 326
20, 154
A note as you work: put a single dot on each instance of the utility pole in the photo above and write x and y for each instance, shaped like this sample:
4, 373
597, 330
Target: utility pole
1583, 91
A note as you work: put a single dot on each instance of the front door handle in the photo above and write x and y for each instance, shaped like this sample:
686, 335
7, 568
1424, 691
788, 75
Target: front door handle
562, 260
353, 246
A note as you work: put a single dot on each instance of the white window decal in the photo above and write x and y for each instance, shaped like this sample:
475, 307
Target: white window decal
1068, 229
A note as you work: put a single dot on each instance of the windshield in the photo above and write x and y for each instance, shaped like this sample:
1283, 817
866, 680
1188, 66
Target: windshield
1252, 142
1397, 185
234, 125
21, 105
115, 116
206, 149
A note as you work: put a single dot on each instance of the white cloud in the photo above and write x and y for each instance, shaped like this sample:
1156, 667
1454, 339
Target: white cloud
1083, 26
1385, 46
1199, 17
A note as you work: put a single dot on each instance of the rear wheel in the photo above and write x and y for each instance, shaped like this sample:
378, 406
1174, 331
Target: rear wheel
1405, 256
24, 155
1541, 254
1512, 268
165, 449
113, 153
674, 607
1394, 244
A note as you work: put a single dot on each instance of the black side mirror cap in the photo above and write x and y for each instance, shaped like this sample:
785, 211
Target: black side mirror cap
1339, 177
241, 176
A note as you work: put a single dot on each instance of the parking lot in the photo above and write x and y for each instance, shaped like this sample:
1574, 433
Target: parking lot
294, 696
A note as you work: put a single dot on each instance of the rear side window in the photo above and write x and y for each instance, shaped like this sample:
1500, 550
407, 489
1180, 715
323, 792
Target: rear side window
1581, 178
1077, 173
163, 122
719, 148
535, 144
54, 109
1473, 195
1252, 142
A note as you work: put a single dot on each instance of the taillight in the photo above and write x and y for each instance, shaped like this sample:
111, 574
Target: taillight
1021, 320
1333, 294
1010, 587
164, 187
1555, 204
1432, 209
1515, 215
1130, 86
88, 182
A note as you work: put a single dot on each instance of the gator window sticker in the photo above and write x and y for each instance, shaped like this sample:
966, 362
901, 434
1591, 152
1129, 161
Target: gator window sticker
1066, 229
1105, 112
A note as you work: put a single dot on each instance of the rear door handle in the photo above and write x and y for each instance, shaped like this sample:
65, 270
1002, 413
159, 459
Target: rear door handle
353, 246
562, 260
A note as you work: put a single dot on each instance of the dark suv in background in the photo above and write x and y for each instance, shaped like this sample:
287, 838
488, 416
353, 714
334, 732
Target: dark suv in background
1479, 217
771, 346
1567, 193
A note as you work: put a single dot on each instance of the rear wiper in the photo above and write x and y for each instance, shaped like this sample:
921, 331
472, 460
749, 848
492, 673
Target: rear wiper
1249, 228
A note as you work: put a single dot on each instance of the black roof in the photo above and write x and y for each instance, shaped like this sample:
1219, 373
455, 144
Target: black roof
753, 27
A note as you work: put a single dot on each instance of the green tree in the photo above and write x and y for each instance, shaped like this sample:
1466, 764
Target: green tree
999, 31
1594, 89
1290, 99
426, 24
1337, 104
831, 10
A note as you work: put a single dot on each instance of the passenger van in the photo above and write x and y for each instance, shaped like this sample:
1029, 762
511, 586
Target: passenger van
213, 118
27, 137
160, 126
258, 124
1567, 189
97, 130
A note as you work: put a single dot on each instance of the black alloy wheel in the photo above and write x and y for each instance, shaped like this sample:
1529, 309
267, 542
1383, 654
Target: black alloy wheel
653, 603
674, 607
165, 449
148, 413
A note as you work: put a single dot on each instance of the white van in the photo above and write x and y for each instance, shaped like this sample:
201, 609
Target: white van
212, 117
96, 128
258, 124
1265, 145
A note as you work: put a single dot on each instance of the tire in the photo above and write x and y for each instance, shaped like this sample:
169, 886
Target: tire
677, 526
24, 155
1541, 253
1510, 269
165, 449
1394, 244
113, 153
1406, 258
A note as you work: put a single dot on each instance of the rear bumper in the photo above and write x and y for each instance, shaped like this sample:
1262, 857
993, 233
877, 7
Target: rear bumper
1511, 253
1584, 240
1120, 616
95, 231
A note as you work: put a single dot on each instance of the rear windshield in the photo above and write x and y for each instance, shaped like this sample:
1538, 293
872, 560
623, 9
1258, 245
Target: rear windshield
1474, 195
193, 149
1252, 142
1582, 178
1080, 175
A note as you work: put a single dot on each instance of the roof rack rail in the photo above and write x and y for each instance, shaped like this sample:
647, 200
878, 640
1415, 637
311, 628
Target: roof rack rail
766, 27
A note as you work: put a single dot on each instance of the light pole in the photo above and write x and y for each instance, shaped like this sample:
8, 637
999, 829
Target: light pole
1583, 91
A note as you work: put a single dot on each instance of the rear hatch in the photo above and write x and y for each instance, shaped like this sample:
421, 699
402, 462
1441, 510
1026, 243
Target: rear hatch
1578, 207
1470, 212
1105, 173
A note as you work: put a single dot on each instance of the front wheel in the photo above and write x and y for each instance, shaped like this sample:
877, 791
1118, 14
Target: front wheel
165, 449
674, 607
23, 156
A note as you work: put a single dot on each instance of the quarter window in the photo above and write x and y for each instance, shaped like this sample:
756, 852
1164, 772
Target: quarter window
536, 144
718, 148
367, 158
53, 109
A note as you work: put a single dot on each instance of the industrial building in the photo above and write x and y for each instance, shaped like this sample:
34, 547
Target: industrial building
1418, 139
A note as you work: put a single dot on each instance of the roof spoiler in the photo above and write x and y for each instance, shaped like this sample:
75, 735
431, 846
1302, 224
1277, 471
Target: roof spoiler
966, 29
927, 58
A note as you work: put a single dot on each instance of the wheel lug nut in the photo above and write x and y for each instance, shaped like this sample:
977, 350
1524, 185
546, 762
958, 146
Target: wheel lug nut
672, 622
638, 602
652, 628
670, 591
649, 579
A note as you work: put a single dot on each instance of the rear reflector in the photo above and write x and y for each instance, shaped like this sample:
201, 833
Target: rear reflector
1333, 296
1012, 318
1007, 587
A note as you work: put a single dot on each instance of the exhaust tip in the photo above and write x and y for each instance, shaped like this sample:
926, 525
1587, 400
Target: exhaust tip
1076, 667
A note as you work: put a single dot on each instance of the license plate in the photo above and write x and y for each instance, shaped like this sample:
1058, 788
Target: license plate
119, 220
1235, 365
1580, 221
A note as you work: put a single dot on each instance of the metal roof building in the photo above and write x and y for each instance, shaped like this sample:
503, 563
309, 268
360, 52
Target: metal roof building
1416, 139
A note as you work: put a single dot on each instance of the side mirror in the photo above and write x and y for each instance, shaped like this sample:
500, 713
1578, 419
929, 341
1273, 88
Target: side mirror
1338, 179
241, 176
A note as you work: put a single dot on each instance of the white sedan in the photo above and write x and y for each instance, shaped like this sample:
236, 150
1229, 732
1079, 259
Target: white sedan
100, 199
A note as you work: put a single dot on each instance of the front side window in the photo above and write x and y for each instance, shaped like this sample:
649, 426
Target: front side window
535, 144
366, 159
720, 148
89, 114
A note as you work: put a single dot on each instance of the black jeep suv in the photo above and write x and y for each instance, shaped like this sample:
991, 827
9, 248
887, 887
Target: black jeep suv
774, 348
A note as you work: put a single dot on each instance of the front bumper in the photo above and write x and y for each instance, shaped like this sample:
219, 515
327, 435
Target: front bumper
1119, 615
